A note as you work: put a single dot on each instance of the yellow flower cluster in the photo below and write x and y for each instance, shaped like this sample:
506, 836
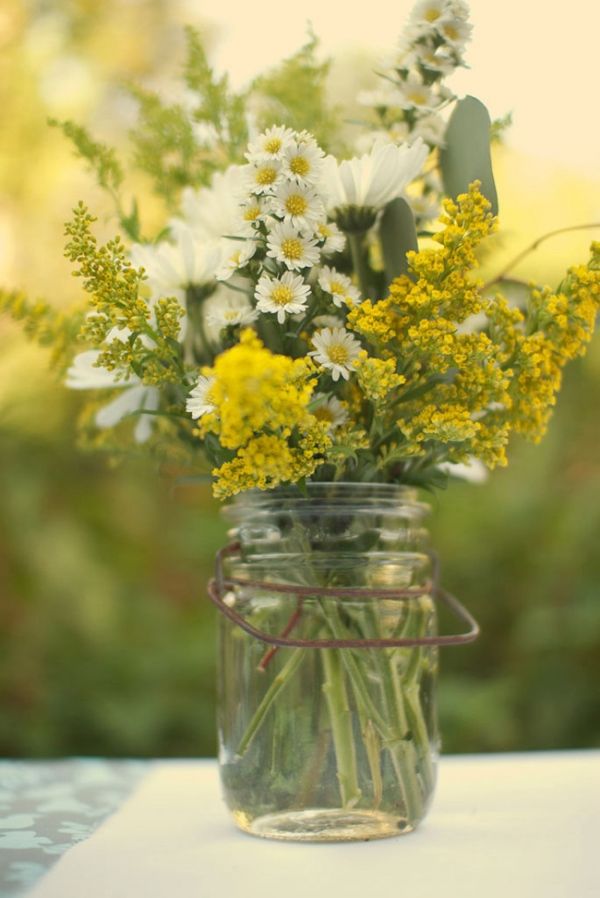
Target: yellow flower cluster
564, 325
377, 378
467, 222
268, 460
377, 321
254, 390
441, 291
443, 423
537, 376
261, 411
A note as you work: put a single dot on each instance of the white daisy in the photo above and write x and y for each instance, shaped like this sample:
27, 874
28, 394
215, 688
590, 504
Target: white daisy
413, 93
429, 13
328, 321
374, 179
331, 410
303, 160
474, 471
459, 8
254, 209
456, 32
437, 59
226, 309
235, 255
425, 207
283, 296
335, 349
198, 402
431, 129
381, 97
262, 177
271, 144
339, 286
85, 374
300, 206
289, 246
212, 212
172, 266
333, 237
132, 399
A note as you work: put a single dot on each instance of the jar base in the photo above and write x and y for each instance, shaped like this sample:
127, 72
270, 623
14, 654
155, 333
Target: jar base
324, 825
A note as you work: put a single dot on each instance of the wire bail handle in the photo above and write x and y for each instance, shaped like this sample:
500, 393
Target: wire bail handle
219, 586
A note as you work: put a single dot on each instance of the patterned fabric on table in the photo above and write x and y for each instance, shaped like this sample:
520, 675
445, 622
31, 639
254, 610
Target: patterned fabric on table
47, 807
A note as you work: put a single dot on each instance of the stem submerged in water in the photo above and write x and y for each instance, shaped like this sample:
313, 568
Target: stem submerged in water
340, 716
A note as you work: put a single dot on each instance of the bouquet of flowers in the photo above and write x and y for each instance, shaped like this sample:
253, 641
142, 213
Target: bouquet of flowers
287, 323
309, 316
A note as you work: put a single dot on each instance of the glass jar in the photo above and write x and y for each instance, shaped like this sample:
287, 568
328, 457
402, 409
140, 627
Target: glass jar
328, 742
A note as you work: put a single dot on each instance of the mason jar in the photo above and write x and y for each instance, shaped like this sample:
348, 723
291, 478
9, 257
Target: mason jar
328, 662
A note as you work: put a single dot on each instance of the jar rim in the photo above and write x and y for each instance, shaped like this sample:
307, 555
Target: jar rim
347, 493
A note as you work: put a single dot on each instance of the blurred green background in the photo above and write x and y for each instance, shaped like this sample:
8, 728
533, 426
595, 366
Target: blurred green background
107, 640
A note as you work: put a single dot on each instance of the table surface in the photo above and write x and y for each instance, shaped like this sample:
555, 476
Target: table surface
492, 814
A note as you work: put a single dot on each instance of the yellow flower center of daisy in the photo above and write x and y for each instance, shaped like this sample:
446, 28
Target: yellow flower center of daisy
432, 14
324, 414
231, 315
273, 145
324, 230
266, 175
451, 32
251, 213
418, 97
296, 204
292, 248
299, 165
281, 295
338, 354
337, 288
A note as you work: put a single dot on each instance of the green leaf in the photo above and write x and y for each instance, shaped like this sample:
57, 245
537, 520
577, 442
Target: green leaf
466, 156
398, 236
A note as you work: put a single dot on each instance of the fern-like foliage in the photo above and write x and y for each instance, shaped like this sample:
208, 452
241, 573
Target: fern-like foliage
295, 94
46, 325
165, 140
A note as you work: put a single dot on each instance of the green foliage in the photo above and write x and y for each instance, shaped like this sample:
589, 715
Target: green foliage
102, 159
295, 94
521, 553
164, 139
216, 102
46, 325
499, 127
398, 236
466, 155
107, 169
165, 147
151, 350
107, 645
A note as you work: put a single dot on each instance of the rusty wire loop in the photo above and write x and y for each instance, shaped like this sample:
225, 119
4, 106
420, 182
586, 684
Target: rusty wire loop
220, 585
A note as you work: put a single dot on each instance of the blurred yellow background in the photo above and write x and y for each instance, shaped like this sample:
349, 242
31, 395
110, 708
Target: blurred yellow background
107, 644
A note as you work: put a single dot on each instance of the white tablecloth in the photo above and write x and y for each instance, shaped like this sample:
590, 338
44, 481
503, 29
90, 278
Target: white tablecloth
502, 826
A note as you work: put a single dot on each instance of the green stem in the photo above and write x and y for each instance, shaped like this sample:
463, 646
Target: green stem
353, 668
403, 753
359, 261
420, 735
340, 716
276, 687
